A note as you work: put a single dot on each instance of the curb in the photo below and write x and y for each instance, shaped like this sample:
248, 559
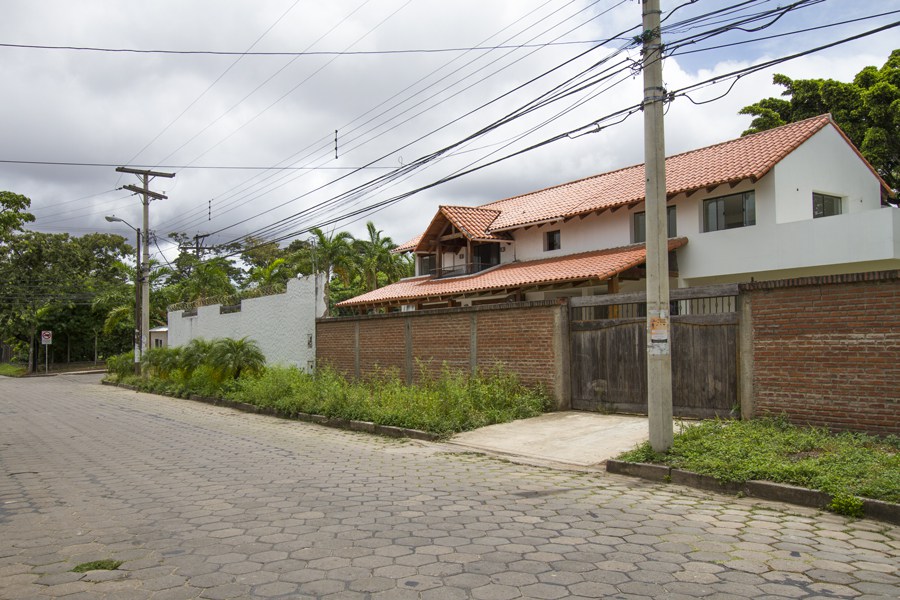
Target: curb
337, 423
764, 490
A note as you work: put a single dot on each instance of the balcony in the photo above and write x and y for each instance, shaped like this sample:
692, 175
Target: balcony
464, 269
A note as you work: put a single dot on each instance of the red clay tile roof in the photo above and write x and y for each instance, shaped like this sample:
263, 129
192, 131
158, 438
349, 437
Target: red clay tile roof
597, 265
472, 222
749, 157
407, 246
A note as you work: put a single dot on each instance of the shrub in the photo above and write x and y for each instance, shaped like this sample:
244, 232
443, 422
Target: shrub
161, 362
121, 365
230, 358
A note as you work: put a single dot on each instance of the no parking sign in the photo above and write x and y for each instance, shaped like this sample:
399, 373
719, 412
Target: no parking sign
46, 337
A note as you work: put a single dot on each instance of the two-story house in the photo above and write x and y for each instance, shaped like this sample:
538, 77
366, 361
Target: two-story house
793, 201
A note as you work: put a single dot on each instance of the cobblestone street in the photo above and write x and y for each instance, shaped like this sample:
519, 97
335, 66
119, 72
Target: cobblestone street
201, 501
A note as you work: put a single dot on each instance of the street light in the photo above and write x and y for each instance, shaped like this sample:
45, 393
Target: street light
138, 285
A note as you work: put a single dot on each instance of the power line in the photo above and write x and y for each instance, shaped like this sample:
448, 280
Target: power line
680, 92
303, 52
325, 145
375, 184
211, 167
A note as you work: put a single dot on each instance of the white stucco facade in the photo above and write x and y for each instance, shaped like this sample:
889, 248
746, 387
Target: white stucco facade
284, 325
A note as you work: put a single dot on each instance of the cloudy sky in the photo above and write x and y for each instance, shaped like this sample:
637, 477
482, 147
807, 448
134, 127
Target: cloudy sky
251, 137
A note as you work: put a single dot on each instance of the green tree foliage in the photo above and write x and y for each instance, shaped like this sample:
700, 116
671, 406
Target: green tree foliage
231, 358
867, 109
50, 281
12, 213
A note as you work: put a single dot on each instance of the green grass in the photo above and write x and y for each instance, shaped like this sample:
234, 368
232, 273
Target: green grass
9, 370
98, 565
846, 465
445, 404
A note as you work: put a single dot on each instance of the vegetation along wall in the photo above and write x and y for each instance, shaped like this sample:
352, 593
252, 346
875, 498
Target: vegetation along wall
527, 338
826, 350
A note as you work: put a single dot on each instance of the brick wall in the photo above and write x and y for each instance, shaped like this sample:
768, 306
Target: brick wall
826, 350
528, 338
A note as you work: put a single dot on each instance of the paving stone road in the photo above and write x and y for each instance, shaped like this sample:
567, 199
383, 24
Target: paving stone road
205, 502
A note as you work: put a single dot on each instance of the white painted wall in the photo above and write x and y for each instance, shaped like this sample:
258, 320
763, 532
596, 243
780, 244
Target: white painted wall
284, 325
823, 164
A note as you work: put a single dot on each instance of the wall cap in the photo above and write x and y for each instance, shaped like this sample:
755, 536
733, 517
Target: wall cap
869, 276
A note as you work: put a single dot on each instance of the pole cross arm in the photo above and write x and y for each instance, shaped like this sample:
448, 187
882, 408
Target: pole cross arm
143, 172
138, 190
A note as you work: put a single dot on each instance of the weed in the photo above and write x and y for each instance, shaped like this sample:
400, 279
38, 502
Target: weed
98, 565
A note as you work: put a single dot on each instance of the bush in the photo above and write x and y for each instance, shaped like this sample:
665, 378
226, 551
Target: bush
121, 365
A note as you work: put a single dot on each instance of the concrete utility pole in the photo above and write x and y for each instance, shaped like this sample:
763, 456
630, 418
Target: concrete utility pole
659, 356
145, 176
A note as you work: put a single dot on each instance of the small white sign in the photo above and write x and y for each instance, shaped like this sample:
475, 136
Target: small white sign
46, 337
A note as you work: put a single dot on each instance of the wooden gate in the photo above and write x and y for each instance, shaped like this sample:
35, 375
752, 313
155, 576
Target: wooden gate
609, 357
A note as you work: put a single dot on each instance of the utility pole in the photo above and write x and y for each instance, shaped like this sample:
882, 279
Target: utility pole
145, 175
659, 355
138, 292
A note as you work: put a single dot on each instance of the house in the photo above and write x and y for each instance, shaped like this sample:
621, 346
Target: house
159, 337
794, 201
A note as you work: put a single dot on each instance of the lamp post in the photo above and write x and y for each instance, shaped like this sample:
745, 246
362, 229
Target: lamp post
138, 281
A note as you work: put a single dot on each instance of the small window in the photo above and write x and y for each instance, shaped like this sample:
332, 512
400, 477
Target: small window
825, 205
552, 240
729, 212
639, 225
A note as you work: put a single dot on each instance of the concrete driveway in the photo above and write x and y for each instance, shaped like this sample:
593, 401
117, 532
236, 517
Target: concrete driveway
574, 438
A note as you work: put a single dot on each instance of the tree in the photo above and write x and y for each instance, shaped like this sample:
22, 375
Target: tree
867, 109
332, 256
12, 213
230, 357
49, 281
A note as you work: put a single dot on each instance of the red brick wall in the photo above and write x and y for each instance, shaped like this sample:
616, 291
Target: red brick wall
336, 345
826, 350
520, 336
523, 341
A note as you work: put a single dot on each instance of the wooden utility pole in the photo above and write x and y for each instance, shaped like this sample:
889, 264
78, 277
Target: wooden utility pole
145, 192
659, 355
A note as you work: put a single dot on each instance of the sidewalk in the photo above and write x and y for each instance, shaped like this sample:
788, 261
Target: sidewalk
574, 438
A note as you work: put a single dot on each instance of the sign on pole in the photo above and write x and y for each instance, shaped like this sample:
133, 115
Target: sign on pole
46, 337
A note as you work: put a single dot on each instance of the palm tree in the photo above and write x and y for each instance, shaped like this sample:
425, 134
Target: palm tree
276, 272
374, 256
230, 357
332, 256
194, 354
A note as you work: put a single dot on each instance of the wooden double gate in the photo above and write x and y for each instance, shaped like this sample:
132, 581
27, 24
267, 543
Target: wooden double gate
608, 355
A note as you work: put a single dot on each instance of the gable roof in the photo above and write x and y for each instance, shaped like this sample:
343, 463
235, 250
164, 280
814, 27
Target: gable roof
472, 222
597, 265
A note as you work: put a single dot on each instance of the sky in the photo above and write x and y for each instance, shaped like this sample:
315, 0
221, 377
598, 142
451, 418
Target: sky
251, 137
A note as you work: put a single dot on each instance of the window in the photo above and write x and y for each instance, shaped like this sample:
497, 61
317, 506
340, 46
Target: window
157, 343
729, 212
552, 240
639, 225
427, 264
484, 256
825, 206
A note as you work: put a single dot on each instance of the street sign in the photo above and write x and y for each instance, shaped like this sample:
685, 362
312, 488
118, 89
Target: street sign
46, 337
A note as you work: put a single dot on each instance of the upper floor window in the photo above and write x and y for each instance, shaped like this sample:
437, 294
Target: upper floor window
552, 240
729, 212
639, 225
427, 264
825, 205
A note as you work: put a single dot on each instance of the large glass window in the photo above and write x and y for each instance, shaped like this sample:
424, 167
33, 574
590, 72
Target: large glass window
639, 225
729, 212
825, 205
